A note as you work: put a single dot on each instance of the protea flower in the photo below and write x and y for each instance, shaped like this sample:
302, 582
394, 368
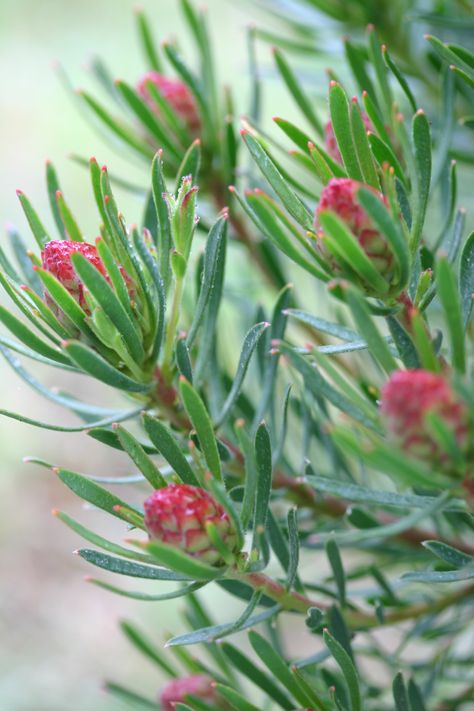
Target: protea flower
176, 94
56, 259
178, 514
406, 400
340, 196
330, 137
178, 690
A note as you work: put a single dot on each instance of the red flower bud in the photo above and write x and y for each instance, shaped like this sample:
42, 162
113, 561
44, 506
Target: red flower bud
330, 138
176, 94
178, 514
177, 690
340, 196
56, 259
406, 400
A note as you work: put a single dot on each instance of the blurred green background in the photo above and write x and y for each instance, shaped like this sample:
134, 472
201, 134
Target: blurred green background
59, 635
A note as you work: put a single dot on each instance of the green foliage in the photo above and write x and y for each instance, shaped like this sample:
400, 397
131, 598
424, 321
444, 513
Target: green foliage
279, 419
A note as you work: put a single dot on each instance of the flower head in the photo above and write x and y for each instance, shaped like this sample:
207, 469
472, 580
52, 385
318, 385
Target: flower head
407, 398
177, 690
176, 93
178, 514
340, 196
330, 137
56, 259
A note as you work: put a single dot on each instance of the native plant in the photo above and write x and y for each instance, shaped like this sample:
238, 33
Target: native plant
306, 446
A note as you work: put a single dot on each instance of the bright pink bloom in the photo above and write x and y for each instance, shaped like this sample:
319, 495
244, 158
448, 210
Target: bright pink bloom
406, 400
176, 94
340, 196
177, 690
330, 138
56, 259
178, 514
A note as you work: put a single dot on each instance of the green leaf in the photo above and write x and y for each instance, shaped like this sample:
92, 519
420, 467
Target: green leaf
345, 246
297, 92
53, 187
335, 561
293, 549
319, 386
291, 201
376, 59
400, 693
95, 494
391, 230
202, 424
208, 634
214, 245
450, 555
174, 559
136, 452
146, 648
466, 278
23, 333
72, 229
147, 118
126, 134
190, 164
39, 231
263, 681
131, 698
363, 494
384, 154
247, 448
415, 697
165, 443
127, 567
263, 460
341, 124
277, 666
422, 177
362, 146
433, 576
251, 340
348, 669
107, 299
378, 346
92, 363
99, 541
277, 331
146, 38
399, 77
117, 417
236, 700
449, 297
164, 243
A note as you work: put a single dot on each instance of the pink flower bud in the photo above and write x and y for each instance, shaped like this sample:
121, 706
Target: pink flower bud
340, 196
56, 259
406, 400
177, 690
178, 514
330, 138
176, 94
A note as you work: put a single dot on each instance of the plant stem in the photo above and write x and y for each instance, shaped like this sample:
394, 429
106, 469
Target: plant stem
167, 369
356, 620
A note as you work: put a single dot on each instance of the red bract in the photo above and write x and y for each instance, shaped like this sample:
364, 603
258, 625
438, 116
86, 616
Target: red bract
177, 690
176, 94
56, 259
178, 514
340, 196
406, 400
330, 137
